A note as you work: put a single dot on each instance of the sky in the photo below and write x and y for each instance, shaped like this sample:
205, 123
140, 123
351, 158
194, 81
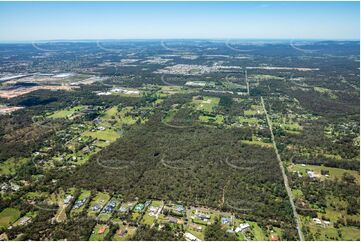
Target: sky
31, 21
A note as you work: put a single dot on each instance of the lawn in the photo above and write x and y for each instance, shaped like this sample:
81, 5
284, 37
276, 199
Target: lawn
106, 216
135, 216
66, 113
255, 110
131, 232
9, 216
112, 120
198, 234
261, 77
95, 236
107, 134
330, 233
147, 219
256, 141
120, 117
100, 199
257, 232
333, 172
251, 120
206, 104
218, 119
83, 194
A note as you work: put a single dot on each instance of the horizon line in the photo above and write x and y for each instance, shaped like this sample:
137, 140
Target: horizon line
178, 39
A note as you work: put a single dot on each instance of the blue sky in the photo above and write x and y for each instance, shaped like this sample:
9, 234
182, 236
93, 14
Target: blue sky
162, 20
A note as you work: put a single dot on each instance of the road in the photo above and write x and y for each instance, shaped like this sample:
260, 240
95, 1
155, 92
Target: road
245, 73
285, 179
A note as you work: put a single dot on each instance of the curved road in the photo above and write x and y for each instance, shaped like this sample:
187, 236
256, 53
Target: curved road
285, 179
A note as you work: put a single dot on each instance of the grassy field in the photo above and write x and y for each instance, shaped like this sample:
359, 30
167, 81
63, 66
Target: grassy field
83, 194
66, 113
330, 233
257, 232
207, 104
107, 135
111, 121
255, 110
148, 219
218, 119
9, 216
198, 234
131, 232
256, 141
10, 166
135, 216
265, 77
106, 216
333, 172
100, 199
58, 198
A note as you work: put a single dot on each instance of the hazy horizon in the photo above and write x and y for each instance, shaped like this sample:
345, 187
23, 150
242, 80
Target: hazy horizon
52, 21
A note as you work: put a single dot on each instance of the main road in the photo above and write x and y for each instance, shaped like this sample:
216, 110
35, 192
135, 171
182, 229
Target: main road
285, 179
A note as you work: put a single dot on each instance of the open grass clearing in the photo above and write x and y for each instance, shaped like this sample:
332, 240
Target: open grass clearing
98, 203
10, 166
66, 113
205, 103
9, 216
333, 172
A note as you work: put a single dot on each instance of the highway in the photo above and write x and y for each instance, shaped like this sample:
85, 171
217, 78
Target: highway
285, 179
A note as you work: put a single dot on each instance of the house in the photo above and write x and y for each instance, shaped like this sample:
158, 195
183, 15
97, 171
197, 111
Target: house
4, 237
153, 211
179, 209
24, 220
242, 227
123, 209
197, 228
96, 207
172, 220
311, 174
109, 207
67, 199
317, 221
225, 220
122, 232
80, 203
274, 237
139, 207
204, 217
14, 187
102, 229
327, 223
190, 237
